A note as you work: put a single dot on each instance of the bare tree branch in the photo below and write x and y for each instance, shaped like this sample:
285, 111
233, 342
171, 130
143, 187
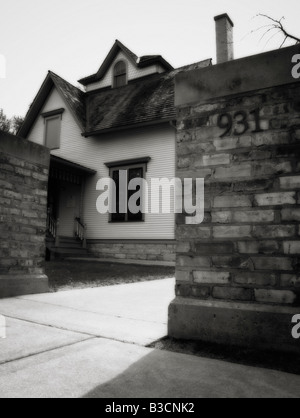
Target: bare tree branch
266, 33
273, 36
277, 25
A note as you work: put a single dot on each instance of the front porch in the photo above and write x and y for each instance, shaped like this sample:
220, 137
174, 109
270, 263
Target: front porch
66, 229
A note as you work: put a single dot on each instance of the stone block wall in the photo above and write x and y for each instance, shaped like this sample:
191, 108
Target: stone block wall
149, 252
238, 273
250, 239
24, 169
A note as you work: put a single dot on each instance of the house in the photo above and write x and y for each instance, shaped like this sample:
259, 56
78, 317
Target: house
121, 119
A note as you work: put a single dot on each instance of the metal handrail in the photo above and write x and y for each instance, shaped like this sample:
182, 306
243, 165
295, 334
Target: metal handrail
52, 228
80, 231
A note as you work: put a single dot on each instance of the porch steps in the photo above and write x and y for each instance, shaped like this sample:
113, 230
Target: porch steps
66, 242
68, 247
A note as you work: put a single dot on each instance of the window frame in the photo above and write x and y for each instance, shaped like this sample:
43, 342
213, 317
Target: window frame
114, 76
48, 116
126, 166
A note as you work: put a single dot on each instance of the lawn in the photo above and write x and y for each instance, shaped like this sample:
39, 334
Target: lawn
66, 275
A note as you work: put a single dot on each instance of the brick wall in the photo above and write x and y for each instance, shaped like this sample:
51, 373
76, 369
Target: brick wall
151, 252
23, 208
242, 263
247, 249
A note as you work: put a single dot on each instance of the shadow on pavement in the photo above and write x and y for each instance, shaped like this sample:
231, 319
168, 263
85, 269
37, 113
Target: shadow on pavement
171, 375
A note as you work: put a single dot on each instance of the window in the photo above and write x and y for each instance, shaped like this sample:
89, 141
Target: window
120, 74
52, 122
122, 176
52, 132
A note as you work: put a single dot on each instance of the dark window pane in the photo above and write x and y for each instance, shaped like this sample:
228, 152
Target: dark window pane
117, 217
120, 68
120, 74
122, 178
120, 80
135, 173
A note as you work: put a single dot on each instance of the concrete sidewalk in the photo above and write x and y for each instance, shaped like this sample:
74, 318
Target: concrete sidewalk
134, 313
91, 343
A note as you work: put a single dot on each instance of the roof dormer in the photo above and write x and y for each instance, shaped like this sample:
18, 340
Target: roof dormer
121, 66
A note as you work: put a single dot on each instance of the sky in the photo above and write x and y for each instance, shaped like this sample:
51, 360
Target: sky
73, 37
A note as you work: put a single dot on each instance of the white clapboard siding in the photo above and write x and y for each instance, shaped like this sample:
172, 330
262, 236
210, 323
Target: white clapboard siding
157, 142
74, 147
133, 72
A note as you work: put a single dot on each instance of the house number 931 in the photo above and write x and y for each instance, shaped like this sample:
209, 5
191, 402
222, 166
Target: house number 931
238, 124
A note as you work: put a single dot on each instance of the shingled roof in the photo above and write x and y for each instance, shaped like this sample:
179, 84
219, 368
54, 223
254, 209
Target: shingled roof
73, 97
146, 101
139, 102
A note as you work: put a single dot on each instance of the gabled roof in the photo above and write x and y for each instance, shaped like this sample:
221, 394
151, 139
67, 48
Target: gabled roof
138, 62
73, 97
145, 102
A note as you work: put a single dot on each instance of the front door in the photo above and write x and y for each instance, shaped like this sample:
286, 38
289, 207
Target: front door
69, 208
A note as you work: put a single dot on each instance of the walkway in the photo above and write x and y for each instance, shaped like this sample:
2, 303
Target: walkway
92, 343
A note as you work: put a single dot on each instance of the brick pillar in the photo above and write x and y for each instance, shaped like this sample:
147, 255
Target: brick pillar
24, 170
237, 275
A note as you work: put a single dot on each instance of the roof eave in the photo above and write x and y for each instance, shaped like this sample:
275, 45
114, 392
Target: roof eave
36, 106
131, 126
71, 164
88, 80
158, 60
69, 107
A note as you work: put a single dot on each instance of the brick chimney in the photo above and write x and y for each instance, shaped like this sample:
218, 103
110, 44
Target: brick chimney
224, 34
